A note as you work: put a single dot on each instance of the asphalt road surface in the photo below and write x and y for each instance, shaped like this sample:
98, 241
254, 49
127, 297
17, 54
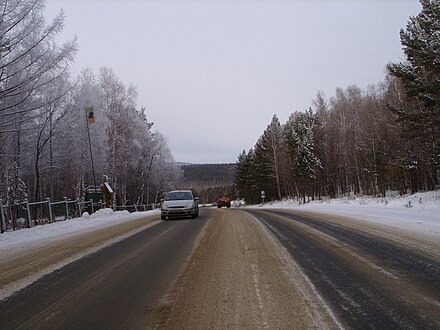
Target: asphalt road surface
231, 269
369, 281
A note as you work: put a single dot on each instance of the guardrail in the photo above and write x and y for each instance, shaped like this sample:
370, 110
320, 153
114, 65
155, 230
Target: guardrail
30, 214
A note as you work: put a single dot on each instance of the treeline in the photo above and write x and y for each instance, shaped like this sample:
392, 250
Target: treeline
358, 142
208, 181
208, 174
44, 127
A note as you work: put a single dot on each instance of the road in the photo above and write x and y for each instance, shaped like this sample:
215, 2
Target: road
370, 281
231, 268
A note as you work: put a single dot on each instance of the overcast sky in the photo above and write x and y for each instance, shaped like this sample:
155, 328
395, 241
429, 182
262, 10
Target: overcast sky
211, 74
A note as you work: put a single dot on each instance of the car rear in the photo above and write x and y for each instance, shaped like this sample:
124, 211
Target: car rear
179, 203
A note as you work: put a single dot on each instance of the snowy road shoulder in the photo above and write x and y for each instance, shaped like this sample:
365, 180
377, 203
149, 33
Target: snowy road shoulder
29, 254
418, 213
28, 238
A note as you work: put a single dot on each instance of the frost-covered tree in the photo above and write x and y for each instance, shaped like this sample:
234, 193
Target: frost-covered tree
326, 148
134, 154
46, 131
346, 107
154, 156
17, 190
118, 104
31, 68
136, 161
44, 144
163, 174
30, 60
72, 161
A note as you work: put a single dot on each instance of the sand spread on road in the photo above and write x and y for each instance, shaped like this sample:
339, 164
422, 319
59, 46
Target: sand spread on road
240, 277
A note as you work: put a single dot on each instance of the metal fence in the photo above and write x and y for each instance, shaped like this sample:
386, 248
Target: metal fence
29, 214
135, 208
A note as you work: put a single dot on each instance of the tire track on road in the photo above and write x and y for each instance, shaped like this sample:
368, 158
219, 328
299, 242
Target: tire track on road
116, 287
355, 272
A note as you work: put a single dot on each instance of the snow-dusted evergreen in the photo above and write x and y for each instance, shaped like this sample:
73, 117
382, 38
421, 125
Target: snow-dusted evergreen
420, 76
303, 163
268, 151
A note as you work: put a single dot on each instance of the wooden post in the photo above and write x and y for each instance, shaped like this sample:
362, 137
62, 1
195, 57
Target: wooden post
2, 215
78, 202
50, 210
29, 220
67, 208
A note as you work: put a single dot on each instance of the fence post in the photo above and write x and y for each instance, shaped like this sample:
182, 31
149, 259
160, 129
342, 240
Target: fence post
91, 202
50, 209
78, 203
2, 215
29, 222
67, 208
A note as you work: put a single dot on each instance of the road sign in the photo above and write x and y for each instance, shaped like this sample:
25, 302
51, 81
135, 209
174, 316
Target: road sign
90, 115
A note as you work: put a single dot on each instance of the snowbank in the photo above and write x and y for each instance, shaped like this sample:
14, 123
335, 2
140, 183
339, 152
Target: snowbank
101, 218
419, 212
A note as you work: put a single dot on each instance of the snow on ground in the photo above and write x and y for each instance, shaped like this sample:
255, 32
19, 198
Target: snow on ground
419, 212
22, 239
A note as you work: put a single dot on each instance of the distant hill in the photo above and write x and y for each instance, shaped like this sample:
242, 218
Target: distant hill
209, 174
209, 180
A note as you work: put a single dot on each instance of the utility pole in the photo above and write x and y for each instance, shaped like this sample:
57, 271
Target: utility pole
90, 119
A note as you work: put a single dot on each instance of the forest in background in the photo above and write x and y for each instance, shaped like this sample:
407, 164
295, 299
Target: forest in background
359, 141
44, 127
208, 181
356, 142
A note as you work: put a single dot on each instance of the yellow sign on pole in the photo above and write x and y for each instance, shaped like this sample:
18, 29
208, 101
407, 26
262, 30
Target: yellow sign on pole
90, 115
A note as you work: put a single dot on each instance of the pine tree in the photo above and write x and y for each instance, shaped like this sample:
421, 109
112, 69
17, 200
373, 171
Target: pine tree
268, 151
246, 177
299, 134
420, 76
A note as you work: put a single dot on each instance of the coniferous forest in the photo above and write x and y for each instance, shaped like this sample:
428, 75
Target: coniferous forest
386, 137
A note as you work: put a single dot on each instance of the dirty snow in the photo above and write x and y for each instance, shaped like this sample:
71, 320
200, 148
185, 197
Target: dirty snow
419, 212
24, 238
